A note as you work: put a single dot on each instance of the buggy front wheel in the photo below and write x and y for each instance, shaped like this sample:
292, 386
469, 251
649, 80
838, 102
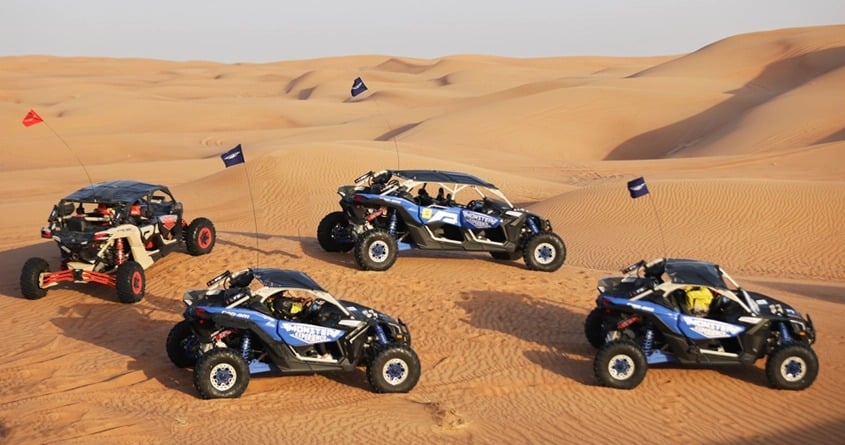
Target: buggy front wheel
545, 252
31, 278
395, 368
792, 366
130, 282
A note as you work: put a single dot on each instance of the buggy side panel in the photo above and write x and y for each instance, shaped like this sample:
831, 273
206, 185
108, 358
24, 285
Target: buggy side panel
438, 214
697, 328
301, 334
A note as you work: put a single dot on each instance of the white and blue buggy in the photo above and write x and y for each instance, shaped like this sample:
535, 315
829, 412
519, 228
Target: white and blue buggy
650, 316
395, 210
286, 324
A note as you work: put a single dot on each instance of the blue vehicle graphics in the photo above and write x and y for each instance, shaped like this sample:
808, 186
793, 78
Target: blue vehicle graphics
294, 334
446, 215
695, 328
456, 216
266, 323
476, 220
704, 328
300, 334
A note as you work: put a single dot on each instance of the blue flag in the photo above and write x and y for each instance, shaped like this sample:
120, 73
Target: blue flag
358, 87
637, 187
234, 156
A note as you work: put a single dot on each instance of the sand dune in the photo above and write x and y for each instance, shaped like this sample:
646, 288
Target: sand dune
740, 143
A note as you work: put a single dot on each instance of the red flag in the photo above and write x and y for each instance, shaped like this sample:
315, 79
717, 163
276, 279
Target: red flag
31, 119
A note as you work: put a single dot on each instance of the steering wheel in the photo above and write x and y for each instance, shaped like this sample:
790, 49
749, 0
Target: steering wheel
476, 205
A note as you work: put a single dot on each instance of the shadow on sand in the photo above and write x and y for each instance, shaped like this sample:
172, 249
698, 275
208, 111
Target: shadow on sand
129, 330
557, 330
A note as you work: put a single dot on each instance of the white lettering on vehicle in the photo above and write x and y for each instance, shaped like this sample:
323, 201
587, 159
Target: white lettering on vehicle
712, 328
310, 333
480, 220
235, 314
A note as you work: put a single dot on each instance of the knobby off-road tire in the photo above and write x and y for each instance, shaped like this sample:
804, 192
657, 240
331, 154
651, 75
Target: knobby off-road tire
221, 373
376, 250
594, 327
792, 366
131, 282
201, 237
545, 252
395, 368
30, 277
329, 226
620, 364
183, 345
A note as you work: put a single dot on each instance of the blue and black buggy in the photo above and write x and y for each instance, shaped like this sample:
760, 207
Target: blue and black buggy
678, 311
395, 210
285, 323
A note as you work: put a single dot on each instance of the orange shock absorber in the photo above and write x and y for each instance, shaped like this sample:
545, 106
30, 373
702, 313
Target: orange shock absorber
118, 246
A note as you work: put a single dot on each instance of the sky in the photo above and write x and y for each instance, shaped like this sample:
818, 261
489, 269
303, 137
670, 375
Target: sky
260, 31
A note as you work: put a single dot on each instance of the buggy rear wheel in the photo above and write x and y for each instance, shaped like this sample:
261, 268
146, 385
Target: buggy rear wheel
395, 368
31, 278
201, 237
183, 345
376, 250
130, 282
545, 252
792, 366
620, 364
221, 373
594, 327
334, 233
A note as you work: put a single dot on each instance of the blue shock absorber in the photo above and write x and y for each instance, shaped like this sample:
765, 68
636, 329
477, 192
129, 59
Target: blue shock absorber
394, 220
532, 225
246, 345
648, 340
380, 334
785, 336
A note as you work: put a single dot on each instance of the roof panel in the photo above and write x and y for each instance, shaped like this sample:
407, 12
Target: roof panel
442, 176
114, 191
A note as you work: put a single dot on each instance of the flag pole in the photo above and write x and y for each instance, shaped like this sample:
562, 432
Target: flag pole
637, 187
659, 224
390, 130
254, 217
234, 157
358, 87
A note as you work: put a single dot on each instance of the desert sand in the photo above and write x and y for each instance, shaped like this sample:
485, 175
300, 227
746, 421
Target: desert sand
741, 143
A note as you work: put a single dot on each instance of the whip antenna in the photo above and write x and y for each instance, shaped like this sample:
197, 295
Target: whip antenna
33, 118
637, 188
